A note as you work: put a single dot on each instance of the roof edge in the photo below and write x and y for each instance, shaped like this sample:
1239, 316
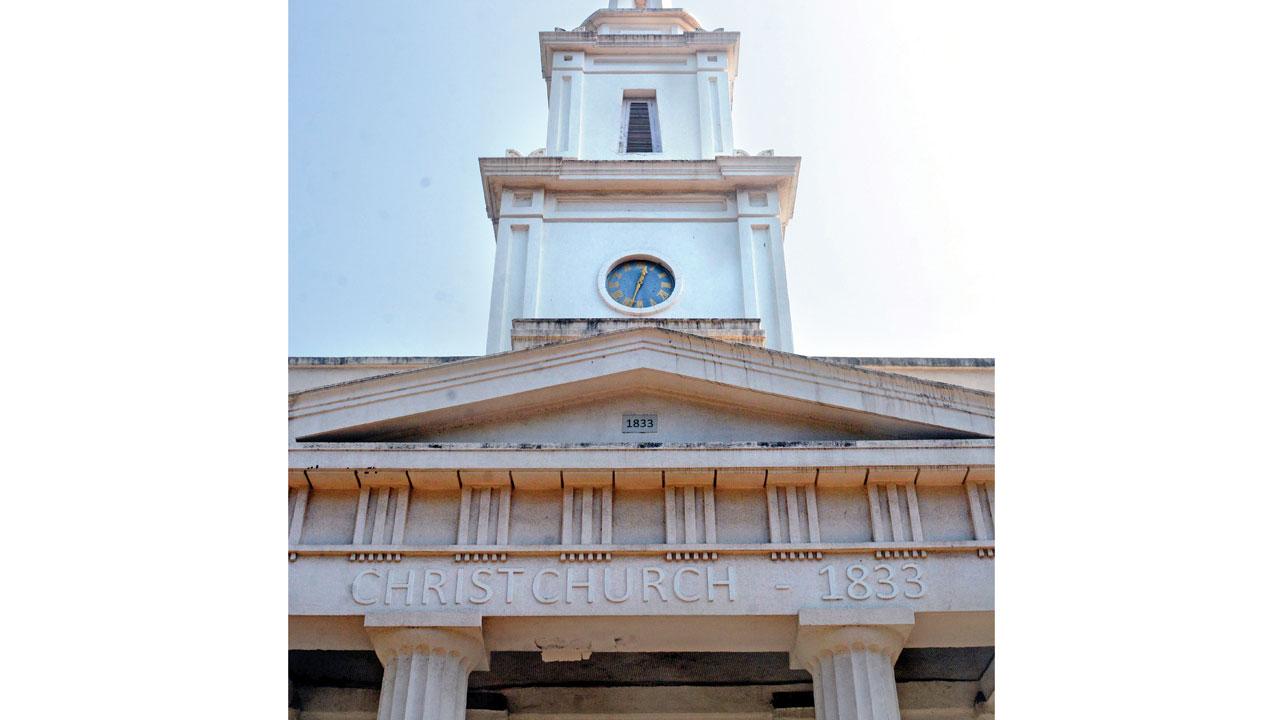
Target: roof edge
968, 397
938, 362
376, 360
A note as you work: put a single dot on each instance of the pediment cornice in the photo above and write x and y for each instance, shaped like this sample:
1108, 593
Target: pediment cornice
737, 375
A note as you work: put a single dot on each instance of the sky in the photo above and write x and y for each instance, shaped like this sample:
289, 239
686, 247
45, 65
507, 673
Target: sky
889, 104
1110, 168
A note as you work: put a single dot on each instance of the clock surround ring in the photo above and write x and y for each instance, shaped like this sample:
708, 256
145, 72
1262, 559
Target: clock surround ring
602, 279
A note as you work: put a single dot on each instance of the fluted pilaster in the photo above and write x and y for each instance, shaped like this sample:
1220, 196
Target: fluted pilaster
425, 671
852, 669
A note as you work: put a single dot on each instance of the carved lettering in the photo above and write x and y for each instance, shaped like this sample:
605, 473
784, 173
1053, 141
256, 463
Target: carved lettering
481, 585
832, 592
886, 580
626, 583
913, 580
879, 584
355, 587
406, 586
570, 586
545, 599
437, 587
727, 583
511, 588
857, 582
675, 584
655, 583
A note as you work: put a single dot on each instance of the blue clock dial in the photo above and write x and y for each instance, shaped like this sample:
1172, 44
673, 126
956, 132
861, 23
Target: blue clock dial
640, 283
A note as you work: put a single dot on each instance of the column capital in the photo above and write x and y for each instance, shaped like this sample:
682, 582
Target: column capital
458, 634
827, 631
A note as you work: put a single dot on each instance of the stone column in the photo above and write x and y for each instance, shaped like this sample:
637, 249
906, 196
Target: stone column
425, 670
852, 667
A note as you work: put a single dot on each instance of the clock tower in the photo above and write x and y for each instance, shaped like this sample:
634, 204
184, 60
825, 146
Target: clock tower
640, 503
639, 210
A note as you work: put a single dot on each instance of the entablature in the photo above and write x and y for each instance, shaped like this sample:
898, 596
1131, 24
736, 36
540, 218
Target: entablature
918, 527
769, 509
679, 529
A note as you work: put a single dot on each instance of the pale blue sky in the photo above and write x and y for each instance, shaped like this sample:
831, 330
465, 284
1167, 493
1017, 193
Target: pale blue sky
391, 102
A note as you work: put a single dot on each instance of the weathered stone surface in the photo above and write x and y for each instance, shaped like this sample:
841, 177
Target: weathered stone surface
425, 668
527, 333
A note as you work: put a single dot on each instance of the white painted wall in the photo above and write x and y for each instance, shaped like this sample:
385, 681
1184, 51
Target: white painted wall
550, 249
726, 250
677, 420
677, 104
692, 92
705, 255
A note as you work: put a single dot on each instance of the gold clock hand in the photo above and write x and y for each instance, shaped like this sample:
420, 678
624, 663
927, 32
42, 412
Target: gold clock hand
643, 271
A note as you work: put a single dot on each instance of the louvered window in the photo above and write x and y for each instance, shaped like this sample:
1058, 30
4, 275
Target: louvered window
641, 132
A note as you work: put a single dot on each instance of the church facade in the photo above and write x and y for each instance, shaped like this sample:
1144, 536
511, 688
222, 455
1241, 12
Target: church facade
640, 503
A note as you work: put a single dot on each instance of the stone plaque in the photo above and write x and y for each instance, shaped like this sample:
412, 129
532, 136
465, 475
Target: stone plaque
639, 423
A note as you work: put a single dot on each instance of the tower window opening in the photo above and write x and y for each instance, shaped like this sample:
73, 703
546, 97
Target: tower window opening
640, 126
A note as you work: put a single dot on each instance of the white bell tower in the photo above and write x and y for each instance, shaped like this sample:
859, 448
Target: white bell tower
589, 88
639, 210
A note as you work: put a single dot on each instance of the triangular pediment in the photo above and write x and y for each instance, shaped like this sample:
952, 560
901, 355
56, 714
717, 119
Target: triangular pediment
694, 389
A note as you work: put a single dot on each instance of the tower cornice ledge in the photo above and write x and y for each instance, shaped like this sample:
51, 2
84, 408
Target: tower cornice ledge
643, 43
639, 16
722, 174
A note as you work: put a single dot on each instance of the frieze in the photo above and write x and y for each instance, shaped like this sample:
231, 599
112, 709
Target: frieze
650, 584
547, 586
740, 584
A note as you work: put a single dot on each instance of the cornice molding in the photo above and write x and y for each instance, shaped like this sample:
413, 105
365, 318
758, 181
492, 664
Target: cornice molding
723, 174
464, 456
686, 19
726, 550
551, 41
728, 354
557, 368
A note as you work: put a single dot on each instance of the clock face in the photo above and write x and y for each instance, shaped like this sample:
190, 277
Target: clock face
640, 283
